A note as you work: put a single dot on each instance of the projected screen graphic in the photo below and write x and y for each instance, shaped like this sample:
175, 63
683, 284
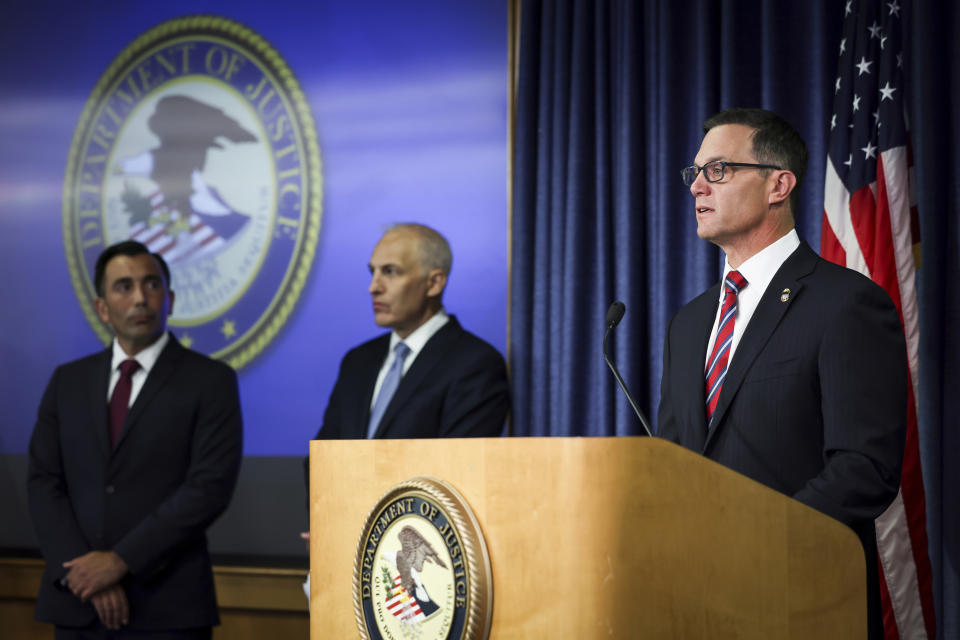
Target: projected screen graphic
266, 158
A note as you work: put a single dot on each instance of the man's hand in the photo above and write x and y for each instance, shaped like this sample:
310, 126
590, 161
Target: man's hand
112, 607
93, 572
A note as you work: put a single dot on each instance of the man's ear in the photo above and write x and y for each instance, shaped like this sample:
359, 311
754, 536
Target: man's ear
783, 186
436, 282
101, 306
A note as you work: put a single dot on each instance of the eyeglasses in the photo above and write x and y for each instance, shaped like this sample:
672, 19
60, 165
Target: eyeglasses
713, 171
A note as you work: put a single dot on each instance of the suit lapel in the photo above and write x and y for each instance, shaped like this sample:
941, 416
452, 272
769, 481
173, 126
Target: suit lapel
431, 355
164, 367
98, 383
765, 320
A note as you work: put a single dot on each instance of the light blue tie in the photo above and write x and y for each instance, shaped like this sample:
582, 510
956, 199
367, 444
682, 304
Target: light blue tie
388, 388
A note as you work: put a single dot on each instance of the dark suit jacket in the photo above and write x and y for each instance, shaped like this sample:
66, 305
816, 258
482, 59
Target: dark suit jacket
814, 402
456, 388
150, 499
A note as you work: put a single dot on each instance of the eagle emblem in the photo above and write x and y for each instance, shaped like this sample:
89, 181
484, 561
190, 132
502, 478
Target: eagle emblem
422, 570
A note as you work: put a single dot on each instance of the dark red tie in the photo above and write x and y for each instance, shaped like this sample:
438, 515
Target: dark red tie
121, 398
717, 364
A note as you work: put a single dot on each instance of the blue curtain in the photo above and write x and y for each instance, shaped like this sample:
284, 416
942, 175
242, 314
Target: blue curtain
611, 97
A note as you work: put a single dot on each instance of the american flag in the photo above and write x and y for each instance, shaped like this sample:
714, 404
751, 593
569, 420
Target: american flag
176, 241
402, 605
869, 224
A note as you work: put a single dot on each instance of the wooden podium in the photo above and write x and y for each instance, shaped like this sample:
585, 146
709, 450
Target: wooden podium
602, 538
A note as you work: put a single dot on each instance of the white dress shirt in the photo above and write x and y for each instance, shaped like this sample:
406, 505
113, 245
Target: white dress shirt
758, 271
147, 358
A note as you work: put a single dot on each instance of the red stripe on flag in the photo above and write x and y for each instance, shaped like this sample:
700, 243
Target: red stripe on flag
883, 266
863, 216
830, 247
889, 620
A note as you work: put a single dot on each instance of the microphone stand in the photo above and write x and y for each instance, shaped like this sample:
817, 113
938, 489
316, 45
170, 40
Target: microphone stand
612, 322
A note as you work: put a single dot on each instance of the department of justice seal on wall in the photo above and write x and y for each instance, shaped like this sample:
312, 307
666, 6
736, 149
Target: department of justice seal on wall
422, 569
198, 142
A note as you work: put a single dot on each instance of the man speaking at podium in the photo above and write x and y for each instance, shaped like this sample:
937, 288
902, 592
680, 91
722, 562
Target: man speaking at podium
428, 377
792, 370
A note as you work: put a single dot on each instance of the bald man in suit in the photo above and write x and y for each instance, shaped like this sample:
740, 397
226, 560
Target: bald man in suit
428, 377
451, 383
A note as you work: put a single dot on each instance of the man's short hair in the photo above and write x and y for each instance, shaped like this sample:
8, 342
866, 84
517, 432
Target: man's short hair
433, 248
775, 141
126, 248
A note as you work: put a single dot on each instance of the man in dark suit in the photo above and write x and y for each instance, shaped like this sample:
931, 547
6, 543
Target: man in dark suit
428, 377
792, 370
135, 452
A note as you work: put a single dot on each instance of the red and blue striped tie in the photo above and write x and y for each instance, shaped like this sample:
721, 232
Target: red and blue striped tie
717, 364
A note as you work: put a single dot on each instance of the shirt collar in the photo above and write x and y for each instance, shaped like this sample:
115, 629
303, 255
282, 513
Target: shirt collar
146, 358
417, 340
760, 267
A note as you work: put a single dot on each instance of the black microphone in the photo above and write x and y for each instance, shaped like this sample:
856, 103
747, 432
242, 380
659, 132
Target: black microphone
614, 316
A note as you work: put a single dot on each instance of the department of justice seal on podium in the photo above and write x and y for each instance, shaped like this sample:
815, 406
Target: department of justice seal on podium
422, 569
198, 142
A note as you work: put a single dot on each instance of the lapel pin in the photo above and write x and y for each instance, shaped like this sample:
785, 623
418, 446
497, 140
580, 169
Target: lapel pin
784, 295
